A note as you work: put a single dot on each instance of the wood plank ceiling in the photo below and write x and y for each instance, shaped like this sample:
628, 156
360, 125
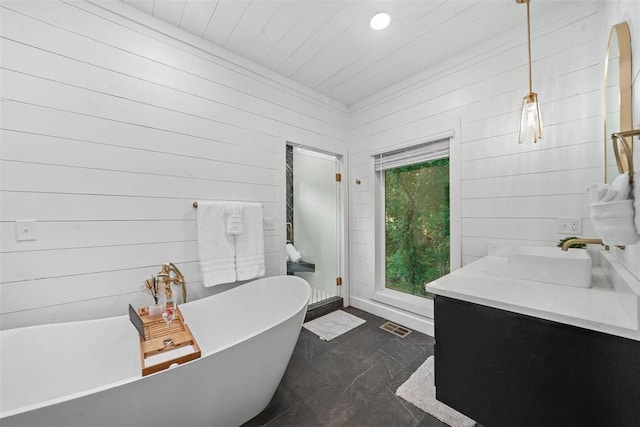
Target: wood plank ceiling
328, 45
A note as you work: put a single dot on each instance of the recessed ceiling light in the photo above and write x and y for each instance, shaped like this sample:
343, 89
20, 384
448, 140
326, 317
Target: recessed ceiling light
380, 21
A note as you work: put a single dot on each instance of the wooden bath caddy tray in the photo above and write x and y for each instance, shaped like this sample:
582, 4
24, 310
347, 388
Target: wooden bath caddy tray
155, 332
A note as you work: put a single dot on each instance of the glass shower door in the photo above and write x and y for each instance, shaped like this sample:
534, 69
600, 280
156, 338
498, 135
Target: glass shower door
316, 199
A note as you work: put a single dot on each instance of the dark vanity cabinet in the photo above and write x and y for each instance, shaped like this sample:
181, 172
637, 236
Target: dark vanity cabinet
507, 369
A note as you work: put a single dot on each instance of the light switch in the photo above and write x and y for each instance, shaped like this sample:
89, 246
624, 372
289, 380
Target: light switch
26, 229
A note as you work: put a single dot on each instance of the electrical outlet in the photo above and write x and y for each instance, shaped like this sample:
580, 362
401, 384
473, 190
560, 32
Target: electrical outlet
269, 224
570, 226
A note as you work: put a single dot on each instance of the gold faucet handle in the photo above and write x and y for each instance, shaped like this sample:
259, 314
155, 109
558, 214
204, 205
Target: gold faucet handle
165, 276
179, 276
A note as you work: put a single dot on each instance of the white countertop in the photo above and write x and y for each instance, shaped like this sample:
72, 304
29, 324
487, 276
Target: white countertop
599, 308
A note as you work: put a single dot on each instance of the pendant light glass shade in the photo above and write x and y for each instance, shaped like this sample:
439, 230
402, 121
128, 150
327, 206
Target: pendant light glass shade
530, 122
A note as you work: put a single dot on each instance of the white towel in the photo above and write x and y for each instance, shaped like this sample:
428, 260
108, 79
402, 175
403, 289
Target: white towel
216, 248
250, 244
233, 219
613, 222
616, 191
621, 186
293, 254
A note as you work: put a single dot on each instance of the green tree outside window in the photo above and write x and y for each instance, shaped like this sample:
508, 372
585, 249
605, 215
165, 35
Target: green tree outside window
416, 225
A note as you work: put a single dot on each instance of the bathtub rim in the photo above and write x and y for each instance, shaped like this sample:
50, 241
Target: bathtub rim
262, 329
124, 381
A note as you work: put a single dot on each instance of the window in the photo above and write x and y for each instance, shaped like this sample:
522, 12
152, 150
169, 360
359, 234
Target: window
414, 187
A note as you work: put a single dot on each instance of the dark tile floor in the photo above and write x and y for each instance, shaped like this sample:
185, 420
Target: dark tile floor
349, 381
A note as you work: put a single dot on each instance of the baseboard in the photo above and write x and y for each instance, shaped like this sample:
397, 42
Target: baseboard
404, 318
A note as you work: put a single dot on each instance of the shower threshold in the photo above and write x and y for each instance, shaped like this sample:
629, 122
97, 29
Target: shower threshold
325, 306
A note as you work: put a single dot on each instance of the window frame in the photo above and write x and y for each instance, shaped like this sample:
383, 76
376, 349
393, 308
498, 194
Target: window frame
401, 300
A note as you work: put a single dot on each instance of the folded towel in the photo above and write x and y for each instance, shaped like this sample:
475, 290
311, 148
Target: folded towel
618, 190
293, 254
216, 248
233, 219
250, 244
621, 186
614, 222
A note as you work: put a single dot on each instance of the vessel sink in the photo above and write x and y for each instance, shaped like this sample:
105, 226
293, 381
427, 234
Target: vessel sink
551, 265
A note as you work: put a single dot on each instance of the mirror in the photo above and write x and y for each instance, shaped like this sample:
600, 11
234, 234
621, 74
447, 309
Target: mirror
617, 101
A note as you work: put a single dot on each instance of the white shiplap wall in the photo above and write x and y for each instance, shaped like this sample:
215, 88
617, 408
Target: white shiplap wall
113, 123
616, 11
510, 193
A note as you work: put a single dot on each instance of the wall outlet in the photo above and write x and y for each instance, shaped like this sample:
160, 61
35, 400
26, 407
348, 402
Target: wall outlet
570, 226
26, 230
269, 224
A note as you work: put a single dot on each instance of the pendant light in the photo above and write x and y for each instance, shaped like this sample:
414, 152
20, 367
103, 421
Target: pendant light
530, 122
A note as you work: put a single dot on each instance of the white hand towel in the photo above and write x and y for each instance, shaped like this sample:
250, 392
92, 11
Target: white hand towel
293, 254
250, 244
601, 193
233, 219
618, 190
216, 248
620, 186
613, 222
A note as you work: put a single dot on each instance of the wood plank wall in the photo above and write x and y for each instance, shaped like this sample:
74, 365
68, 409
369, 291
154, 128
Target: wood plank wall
511, 193
113, 123
616, 11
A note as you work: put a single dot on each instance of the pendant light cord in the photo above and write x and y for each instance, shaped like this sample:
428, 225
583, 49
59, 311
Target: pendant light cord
529, 43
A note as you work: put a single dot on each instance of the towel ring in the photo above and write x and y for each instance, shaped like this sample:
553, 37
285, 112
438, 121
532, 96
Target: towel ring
618, 140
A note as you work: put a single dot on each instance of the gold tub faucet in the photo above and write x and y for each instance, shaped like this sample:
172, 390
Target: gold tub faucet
165, 277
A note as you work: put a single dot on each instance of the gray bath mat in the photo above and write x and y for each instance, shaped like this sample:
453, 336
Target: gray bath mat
420, 391
333, 324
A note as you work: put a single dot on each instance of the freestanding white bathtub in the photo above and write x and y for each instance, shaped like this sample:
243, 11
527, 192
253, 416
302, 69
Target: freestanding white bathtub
88, 373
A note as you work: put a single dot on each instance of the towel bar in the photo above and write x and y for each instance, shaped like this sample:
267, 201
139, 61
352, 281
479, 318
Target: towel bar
195, 205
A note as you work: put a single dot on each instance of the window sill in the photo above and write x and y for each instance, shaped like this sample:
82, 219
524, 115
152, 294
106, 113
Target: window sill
411, 303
